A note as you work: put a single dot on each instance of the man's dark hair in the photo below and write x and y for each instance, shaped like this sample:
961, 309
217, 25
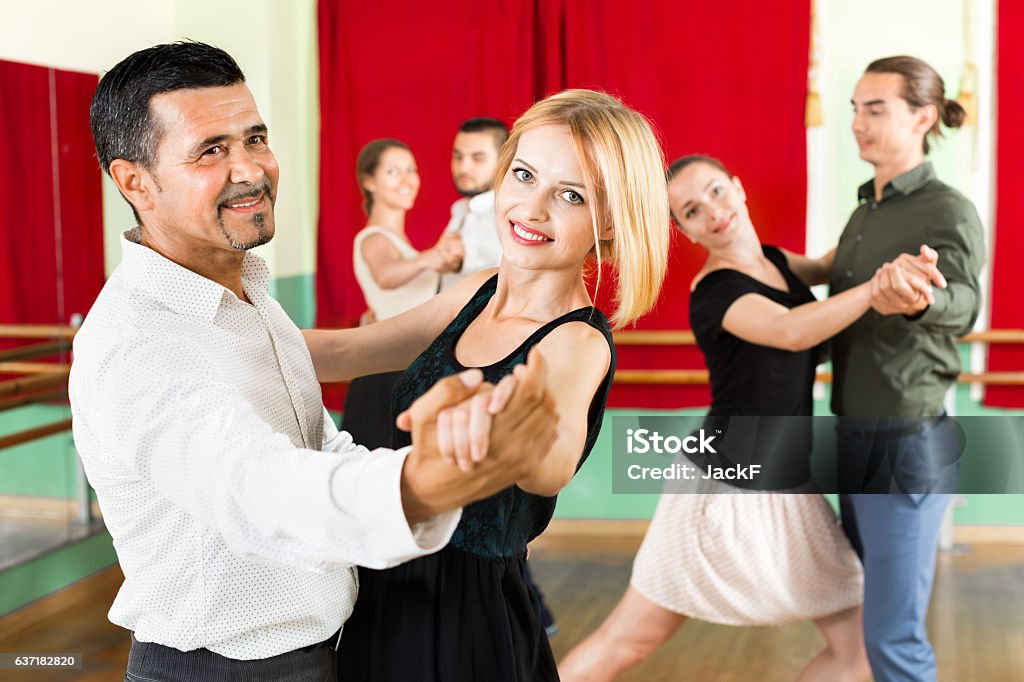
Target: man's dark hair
486, 124
122, 123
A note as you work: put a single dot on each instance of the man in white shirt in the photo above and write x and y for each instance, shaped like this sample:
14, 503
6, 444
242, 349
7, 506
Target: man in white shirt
237, 509
474, 160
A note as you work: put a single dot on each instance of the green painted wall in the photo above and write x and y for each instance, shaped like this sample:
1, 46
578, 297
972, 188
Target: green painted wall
52, 571
297, 296
41, 468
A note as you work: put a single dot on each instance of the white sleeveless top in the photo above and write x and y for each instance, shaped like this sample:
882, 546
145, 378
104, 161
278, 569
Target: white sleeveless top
387, 303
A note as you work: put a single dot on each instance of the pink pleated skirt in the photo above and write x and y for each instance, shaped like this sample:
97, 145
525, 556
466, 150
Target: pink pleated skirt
747, 558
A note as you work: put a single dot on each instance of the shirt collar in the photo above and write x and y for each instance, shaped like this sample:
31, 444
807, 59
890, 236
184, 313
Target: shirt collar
183, 291
482, 202
911, 181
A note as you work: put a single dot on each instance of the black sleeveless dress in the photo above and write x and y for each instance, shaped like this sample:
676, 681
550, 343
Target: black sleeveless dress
465, 613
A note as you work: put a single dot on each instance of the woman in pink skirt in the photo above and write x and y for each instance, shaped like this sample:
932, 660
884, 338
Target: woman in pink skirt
764, 558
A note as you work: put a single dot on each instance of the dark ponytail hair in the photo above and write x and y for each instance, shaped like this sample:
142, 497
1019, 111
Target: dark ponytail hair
369, 159
922, 85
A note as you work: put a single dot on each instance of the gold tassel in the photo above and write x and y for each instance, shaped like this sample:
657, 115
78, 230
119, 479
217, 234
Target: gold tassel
966, 98
813, 114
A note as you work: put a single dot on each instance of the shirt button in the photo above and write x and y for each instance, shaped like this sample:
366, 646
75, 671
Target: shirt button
848, 273
860, 237
874, 204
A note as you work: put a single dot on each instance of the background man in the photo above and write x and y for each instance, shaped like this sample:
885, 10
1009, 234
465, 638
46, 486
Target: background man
474, 160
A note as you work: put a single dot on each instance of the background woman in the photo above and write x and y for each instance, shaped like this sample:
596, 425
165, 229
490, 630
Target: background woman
393, 275
744, 559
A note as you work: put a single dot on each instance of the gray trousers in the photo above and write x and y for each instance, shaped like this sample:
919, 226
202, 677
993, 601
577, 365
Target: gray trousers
149, 662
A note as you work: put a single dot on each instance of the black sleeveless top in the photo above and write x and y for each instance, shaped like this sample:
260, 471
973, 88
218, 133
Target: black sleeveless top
749, 380
502, 524
466, 612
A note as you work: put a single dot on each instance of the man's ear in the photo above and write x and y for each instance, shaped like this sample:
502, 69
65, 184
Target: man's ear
926, 117
134, 183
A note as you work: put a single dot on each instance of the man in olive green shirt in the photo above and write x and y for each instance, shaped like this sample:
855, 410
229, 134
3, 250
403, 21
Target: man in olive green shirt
902, 365
893, 366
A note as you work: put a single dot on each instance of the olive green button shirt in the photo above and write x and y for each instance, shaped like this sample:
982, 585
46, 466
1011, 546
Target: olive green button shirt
890, 365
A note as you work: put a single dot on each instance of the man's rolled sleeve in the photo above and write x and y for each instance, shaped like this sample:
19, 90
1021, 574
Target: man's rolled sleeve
960, 246
378, 495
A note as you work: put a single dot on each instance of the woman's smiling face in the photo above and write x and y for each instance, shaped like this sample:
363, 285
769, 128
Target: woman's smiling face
708, 205
543, 203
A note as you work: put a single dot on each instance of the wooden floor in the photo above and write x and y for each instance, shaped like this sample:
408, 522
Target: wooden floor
976, 621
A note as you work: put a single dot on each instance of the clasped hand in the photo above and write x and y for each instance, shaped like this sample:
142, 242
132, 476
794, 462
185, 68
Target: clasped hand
447, 254
904, 286
472, 439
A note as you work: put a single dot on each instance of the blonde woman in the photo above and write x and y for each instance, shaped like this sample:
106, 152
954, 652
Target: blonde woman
580, 178
392, 274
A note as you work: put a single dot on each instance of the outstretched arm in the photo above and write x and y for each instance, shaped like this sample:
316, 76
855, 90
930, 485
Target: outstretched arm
391, 270
391, 344
578, 358
758, 319
811, 271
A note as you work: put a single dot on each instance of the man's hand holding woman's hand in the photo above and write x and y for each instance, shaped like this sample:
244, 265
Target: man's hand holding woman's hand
472, 439
904, 286
447, 254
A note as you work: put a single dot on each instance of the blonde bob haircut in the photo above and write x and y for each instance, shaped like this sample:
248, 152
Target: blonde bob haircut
624, 171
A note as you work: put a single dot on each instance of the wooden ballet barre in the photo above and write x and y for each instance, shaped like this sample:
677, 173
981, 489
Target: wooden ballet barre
691, 377
35, 350
32, 383
33, 368
661, 376
654, 337
34, 434
37, 331
636, 337
22, 399
993, 378
999, 336
680, 337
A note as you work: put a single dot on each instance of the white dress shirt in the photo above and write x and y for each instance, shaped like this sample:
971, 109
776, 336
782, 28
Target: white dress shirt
237, 509
474, 219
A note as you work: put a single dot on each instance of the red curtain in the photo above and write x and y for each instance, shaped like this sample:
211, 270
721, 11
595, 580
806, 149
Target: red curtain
727, 79
1007, 311
51, 210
